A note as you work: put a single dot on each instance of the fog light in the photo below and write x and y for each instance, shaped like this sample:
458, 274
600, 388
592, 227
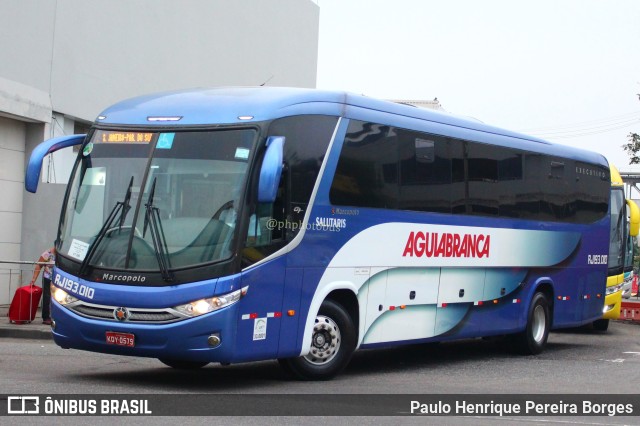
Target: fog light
214, 340
53, 324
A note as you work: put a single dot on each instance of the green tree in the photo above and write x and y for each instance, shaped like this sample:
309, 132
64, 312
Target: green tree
633, 147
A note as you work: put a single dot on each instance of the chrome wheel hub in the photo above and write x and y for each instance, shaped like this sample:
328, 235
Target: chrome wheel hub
539, 324
325, 341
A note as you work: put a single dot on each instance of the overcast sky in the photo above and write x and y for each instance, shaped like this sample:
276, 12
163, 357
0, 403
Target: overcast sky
564, 70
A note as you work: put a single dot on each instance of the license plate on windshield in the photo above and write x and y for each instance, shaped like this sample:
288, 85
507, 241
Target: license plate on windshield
120, 339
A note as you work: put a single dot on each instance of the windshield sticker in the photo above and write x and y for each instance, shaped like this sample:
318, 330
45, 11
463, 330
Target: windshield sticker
95, 176
87, 149
78, 249
242, 153
165, 141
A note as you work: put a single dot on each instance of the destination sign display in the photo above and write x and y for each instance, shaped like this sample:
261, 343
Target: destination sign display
125, 137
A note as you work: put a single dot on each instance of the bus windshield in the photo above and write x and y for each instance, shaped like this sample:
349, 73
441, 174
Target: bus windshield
618, 231
155, 201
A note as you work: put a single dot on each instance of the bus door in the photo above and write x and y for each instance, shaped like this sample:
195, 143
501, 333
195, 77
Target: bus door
259, 325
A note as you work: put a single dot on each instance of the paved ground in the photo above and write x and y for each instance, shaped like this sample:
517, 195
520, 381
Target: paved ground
33, 330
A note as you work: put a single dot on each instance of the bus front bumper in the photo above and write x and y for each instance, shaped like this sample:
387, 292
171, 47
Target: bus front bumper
612, 303
208, 337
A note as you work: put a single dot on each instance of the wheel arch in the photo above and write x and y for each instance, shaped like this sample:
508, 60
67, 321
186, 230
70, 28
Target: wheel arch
535, 332
342, 292
349, 301
546, 287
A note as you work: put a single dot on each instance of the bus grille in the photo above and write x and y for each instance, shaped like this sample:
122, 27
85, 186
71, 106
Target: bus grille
137, 315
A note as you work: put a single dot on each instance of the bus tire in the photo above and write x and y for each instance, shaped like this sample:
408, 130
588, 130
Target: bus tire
601, 325
180, 364
534, 337
332, 344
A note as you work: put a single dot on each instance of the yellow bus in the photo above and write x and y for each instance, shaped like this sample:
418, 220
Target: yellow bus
625, 219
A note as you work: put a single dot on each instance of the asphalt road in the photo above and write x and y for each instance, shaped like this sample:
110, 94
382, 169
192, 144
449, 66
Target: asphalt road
575, 362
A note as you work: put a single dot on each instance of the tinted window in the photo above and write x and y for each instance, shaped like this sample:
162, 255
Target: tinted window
616, 251
367, 171
459, 172
511, 181
425, 172
592, 192
530, 192
483, 186
386, 167
307, 138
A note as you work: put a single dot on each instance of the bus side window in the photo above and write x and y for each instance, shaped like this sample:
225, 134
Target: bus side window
425, 172
267, 224
255, 233
265, 233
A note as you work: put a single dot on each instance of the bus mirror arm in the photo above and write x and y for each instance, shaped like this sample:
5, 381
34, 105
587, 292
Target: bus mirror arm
271, 170
45, 148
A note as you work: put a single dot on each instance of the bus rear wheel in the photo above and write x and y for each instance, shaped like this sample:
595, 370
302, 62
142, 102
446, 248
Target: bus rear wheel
534, 338
333, 341
180, 364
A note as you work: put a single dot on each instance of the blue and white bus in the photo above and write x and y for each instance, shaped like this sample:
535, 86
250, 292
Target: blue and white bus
239, 224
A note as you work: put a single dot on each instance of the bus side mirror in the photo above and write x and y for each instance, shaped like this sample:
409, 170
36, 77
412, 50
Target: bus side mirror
45, 148
271, 170
634, 218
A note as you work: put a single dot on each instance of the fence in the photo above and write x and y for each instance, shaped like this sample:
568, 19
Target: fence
14, 274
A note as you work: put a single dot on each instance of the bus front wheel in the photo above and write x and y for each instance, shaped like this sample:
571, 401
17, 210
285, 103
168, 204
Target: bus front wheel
333, 341
534, 338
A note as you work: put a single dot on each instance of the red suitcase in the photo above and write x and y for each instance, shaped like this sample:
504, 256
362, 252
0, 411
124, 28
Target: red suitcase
25, 304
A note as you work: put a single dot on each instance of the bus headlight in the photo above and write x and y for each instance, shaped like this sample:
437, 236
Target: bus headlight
61, 296
614, 288
203, 306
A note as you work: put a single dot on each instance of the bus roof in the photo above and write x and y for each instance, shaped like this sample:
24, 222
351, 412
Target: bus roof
233, 105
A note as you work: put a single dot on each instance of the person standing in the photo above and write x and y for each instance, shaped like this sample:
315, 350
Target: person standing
49, 256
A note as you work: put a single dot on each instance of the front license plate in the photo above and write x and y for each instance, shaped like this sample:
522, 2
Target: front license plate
120, 339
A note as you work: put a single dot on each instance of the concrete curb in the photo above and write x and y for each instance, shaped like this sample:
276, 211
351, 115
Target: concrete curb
25, 331
32, 330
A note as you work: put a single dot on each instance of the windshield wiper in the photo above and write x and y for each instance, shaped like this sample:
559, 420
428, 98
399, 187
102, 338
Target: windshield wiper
152, 219
125, 204
121, 208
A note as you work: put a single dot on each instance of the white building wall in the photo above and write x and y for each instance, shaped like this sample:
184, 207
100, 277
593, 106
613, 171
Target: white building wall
26, 36
12, 134
67, 60
89, 54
